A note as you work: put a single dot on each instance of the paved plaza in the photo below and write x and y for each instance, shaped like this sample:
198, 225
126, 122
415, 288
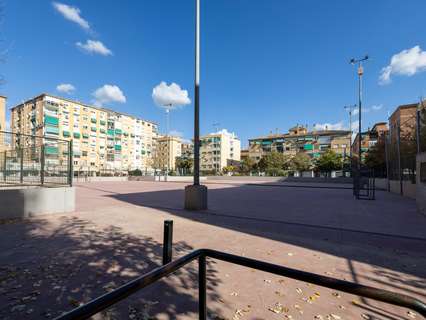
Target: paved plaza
53, 263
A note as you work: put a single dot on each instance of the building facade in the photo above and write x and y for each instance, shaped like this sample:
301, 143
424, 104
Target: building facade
404, 118
168, 148
370, 138
219, 150
102, 139
299, 139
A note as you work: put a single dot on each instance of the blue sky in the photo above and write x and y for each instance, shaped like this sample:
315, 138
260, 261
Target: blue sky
266, 65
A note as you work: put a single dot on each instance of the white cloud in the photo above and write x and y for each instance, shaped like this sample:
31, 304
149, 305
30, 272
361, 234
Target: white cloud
72, 14
94, 46
176, 133
330, 126
407, 63
375, 107
67, 88
108, 93
170, 96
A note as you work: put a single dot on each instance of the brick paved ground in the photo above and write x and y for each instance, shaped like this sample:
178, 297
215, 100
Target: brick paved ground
50, 264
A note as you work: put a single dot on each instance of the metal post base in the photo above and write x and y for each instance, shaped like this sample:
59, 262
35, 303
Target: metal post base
195, 197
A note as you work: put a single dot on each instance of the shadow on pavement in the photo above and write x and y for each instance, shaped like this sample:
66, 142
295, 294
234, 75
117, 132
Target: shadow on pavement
54, 271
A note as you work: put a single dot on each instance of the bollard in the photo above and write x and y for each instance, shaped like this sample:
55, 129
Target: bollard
167, 241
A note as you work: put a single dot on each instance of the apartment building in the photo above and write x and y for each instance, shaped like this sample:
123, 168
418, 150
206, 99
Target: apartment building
218, 150
102, 139
299, 139
370, 138
187, 150
167, 149
403, 117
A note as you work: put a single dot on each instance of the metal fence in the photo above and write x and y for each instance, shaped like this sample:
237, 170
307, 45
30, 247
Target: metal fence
34, 160
401, 150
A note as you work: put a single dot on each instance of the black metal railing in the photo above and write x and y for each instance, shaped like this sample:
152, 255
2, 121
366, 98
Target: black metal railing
103, 302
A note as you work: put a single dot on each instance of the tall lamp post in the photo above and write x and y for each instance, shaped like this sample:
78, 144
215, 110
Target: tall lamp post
360, 73
350, 108
196, 194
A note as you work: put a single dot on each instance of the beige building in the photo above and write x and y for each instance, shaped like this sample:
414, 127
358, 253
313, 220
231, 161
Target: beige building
299, 139
103, 139
219, 150
167, 149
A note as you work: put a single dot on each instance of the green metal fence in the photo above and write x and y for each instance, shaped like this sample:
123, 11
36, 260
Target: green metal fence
34, 160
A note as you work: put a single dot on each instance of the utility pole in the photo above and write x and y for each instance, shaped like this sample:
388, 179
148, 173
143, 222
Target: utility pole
360, 72
350, 126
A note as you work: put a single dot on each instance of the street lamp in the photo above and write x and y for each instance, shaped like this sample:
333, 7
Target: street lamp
360, 73
196, 194
357, 181
350, 126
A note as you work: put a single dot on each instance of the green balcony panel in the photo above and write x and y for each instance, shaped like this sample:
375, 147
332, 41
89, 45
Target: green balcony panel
110, 132
143, 152
132, 135
102, 130
92, 120
126, 134
117, 147
93, 129
50, 120
117, 131
102, 122
51, 130
50, 150
85, 135
66, 133
308, 147
76, 135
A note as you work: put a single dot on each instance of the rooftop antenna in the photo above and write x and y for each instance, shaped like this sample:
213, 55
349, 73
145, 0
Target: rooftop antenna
216, 126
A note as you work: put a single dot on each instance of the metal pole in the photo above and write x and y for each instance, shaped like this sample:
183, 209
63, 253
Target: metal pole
398, 145
42, 163
387, 160
197, 96
360, 72
167, 241
5, 165
350, 129
70, 163
22, 165
202, 288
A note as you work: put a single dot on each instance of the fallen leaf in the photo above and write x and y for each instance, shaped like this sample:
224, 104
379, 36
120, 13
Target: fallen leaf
278, 308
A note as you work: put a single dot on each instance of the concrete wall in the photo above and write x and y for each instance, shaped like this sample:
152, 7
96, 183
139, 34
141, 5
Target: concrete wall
408, 188
421, 186
188, 179
27, 202
99, 179
381, 183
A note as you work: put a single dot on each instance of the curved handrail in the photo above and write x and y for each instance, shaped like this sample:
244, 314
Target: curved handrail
101, 303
